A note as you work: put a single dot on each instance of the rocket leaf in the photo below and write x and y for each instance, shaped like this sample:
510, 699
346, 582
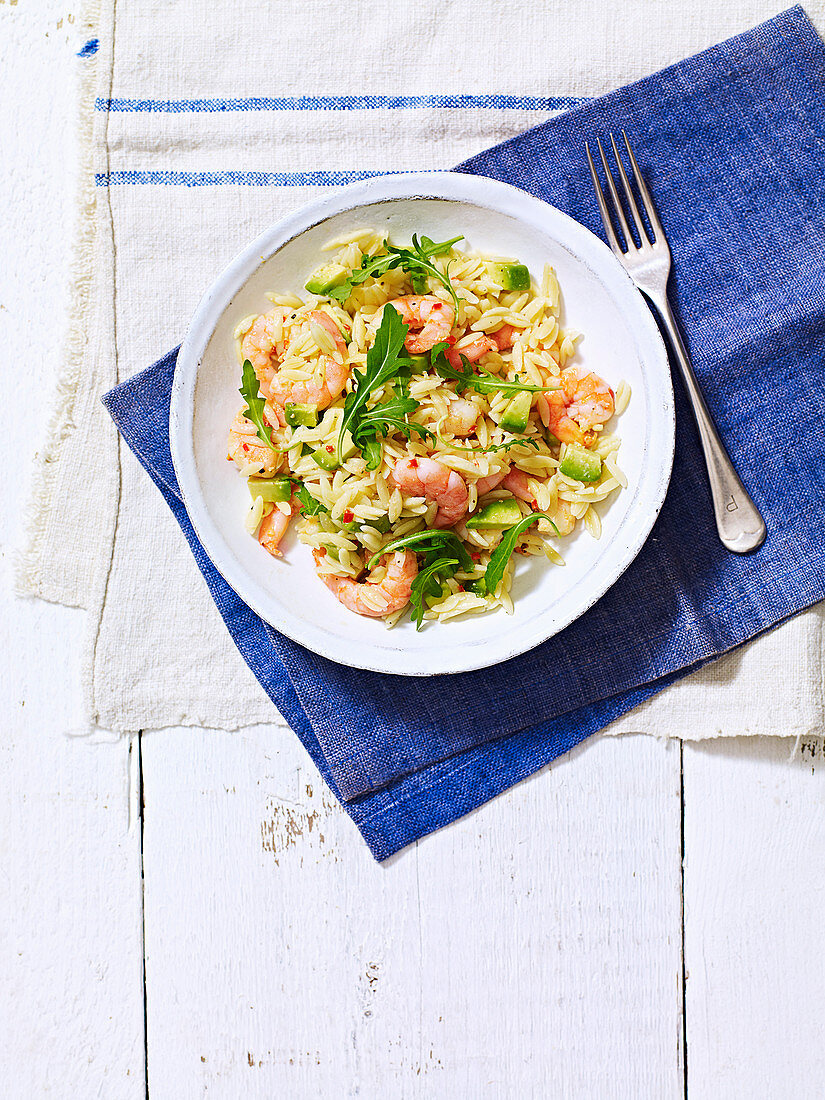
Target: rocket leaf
250, 391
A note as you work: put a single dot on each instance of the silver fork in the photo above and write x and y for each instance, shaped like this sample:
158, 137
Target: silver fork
740, 526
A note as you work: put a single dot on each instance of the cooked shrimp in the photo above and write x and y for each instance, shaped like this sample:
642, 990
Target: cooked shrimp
516, 482
263, 347
504, 337
326, 322
274, 415
321, 390
491, 481
430, 321
249, 451
375, 600
484, 342
273, 528
328, 381
461, 417
471, 352
583, 401
424, 477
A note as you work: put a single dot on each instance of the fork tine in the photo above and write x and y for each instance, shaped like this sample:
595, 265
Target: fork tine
631, 198
614, 194
647, 201
612, 239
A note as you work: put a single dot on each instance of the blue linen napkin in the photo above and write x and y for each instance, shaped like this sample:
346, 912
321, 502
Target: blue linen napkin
732, 143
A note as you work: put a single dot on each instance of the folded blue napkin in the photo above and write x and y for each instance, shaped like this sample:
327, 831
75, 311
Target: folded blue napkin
732, 144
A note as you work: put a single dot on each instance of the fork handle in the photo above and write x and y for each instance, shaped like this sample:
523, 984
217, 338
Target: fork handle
738, 521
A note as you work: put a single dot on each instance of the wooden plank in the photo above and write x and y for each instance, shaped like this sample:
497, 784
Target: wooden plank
71, 965
754, 902
533, 948
70, 892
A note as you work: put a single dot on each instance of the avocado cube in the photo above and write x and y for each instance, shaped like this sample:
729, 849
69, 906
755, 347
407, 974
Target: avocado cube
499, 513
580, 464
326, 278
301, 416
517, 413
272, 489
510, 276
328, 460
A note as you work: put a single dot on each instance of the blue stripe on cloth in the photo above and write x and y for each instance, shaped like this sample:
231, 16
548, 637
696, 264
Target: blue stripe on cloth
90, 48
340, 103
333, 178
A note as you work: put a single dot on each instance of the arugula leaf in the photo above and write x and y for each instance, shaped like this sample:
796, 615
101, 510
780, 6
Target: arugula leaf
430, 582
310, 505
382, 364
426, 541
427, 247
487, 584
403, 377
417, 261
250, 391
393, 413
370, 449
388, 416
370, 265
480, 380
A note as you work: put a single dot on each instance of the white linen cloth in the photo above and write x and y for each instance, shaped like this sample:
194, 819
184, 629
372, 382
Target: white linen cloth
193, 143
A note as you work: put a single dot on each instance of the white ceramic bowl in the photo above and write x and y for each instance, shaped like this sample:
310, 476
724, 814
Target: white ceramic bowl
621, 341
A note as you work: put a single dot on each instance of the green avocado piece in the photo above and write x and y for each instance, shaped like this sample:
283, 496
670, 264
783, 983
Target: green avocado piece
326, 278
517, 413
580, 464
272, 489
498, 513
301, 416
511, 276
328, 460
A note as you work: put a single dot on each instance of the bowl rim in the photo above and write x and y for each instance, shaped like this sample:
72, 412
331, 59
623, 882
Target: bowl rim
480, 191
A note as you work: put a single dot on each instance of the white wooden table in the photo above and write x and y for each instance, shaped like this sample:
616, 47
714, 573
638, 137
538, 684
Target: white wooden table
190, 913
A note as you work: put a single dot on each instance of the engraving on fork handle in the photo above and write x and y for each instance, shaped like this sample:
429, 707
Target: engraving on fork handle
738, 521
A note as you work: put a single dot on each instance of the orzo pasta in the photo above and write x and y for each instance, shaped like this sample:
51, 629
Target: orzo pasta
422, 414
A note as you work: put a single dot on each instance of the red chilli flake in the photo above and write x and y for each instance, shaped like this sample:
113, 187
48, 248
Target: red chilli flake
348, 516
534, 504
245, 446
413, 463
329, 447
